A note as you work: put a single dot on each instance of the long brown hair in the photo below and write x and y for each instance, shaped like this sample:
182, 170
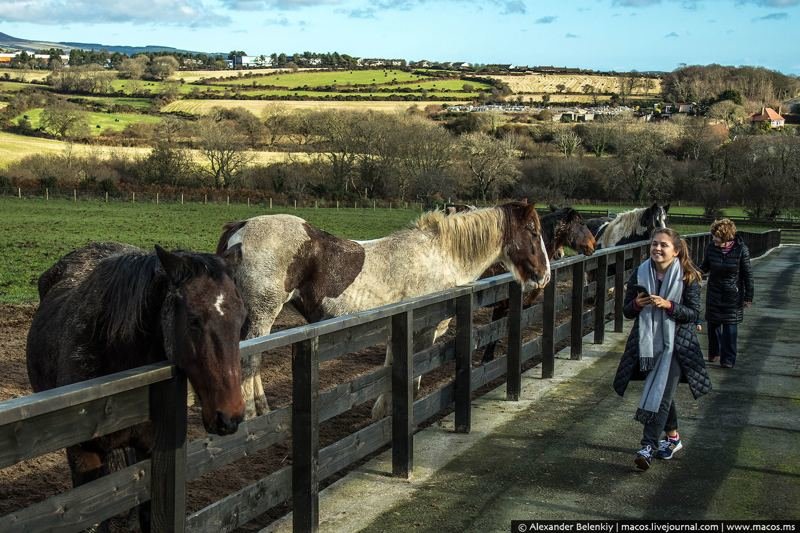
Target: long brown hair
690, 271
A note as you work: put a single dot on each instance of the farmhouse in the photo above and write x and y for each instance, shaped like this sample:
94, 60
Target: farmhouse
7, 57
768, 115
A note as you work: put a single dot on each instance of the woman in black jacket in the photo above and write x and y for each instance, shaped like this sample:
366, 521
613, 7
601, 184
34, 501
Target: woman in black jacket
729, 290
663, 295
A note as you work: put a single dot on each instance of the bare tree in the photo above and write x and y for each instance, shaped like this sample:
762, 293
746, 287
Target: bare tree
133, 68
491, 162
65, 120
568, 142
640, 167
223, 147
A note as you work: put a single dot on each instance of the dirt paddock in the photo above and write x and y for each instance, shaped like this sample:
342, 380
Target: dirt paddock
36, 479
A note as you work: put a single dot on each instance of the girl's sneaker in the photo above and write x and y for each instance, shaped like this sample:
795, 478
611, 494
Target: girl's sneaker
644, 457
668, 447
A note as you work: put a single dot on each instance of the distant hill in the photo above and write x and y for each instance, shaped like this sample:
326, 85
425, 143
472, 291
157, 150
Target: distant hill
16, 43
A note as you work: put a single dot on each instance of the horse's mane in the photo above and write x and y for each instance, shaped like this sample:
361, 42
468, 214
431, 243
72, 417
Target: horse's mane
625, 224
131, 288
464, 234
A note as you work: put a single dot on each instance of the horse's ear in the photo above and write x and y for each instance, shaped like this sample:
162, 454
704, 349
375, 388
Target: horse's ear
529, 211
553, 208
450, 210
173, 265
573, 215
524, 200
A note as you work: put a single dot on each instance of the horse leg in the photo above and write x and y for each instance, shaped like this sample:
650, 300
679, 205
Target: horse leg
499, 311
255, 399
422, 340
87, 465
381, 406
425, 340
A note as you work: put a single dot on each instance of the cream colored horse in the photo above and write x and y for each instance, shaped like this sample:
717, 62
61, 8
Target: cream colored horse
280, 259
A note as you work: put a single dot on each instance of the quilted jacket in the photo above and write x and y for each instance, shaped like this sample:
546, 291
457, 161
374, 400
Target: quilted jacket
730, 282
687, 348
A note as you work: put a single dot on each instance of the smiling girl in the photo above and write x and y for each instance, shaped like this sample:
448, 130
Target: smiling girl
663, 296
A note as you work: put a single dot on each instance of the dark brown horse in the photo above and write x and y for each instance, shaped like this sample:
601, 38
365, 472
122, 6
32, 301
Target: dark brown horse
561, 227
110, 307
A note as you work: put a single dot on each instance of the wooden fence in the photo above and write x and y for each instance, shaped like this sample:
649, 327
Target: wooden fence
48, 421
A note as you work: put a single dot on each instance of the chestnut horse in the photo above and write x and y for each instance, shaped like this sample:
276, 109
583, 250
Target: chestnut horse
110, 307
278, 259
562, 227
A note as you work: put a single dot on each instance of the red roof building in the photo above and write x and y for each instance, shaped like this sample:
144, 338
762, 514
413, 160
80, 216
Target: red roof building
768, 114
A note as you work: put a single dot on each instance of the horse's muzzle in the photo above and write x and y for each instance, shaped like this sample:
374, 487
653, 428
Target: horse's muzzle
225, 425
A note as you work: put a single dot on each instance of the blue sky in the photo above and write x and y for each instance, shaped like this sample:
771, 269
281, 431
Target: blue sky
598, 34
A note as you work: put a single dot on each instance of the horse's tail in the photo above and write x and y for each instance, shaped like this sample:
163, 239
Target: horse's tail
228, 230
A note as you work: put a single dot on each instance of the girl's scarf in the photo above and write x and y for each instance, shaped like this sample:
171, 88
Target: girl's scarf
656, 336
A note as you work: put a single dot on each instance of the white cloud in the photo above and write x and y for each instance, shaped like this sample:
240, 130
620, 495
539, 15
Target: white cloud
164, 12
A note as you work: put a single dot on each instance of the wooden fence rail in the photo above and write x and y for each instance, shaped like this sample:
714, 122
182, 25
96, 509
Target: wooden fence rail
48, 421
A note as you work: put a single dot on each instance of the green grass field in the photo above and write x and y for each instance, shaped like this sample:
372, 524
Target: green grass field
37, 232
140, 104
98, 122
320, 78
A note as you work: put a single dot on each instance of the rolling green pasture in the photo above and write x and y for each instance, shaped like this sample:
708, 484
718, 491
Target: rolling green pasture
12, 86
320, 78
140, 104
37, 232
105, 121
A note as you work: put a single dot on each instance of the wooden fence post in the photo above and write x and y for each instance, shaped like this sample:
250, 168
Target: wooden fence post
168, 462
403, 394
514, 368
270, 203
619, 294
549, 326
156, 198
181, 198
601, 275
106, 196
463, 384
75, 195
576, 333
305, 435
46, 193
19, 192
133, 197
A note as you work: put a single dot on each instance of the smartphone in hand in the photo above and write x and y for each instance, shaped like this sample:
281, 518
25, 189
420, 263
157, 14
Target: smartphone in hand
641, 289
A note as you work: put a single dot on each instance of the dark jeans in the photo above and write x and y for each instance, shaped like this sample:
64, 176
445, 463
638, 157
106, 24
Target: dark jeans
722, 342
667, 418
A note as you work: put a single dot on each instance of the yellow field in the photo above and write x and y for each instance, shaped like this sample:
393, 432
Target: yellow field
202, 107
537, 83
17, 74
15, 147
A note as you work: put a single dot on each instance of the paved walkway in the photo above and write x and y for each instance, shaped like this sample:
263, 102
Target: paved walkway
566, 450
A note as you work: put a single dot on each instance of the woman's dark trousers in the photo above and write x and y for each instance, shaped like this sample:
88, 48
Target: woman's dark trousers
722, 342
667, 417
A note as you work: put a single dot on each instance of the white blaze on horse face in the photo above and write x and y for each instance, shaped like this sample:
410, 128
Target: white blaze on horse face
546, 278
662, 218
218, 304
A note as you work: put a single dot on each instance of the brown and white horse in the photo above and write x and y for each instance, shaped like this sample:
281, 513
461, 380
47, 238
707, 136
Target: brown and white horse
279, 259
